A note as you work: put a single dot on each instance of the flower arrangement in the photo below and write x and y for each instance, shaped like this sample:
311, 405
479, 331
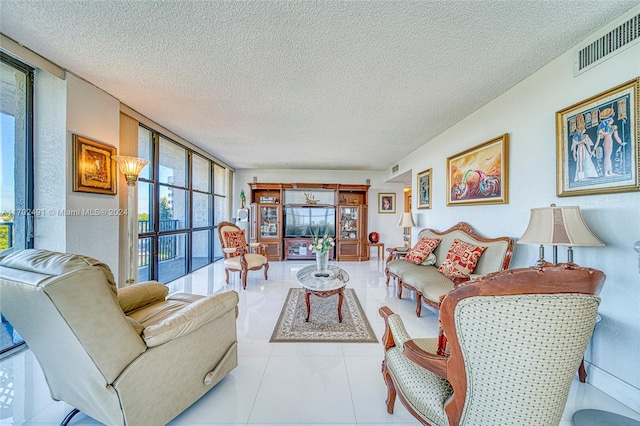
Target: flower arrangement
322, 244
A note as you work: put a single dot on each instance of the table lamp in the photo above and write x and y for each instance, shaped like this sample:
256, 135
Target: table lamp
406, 222
558, 226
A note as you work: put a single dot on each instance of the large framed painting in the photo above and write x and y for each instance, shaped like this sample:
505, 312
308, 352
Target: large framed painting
424, 189
479, 175
94, 169
386, 202
597, 143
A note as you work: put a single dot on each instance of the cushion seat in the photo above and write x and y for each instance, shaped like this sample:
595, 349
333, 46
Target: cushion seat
428, 281
254, 261
424, 390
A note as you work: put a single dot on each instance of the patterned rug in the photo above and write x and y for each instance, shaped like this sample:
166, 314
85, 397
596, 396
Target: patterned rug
323, 325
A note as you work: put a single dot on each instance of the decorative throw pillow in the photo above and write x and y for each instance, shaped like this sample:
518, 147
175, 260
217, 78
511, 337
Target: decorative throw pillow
235, 239
430, 260
422, 249
461, 259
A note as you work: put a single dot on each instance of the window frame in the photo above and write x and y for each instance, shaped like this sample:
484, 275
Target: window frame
156, 233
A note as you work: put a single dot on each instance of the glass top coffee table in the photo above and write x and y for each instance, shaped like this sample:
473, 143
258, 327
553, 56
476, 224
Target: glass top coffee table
323, 286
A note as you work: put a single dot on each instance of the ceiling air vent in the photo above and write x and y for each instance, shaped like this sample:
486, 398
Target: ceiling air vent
394, 169
619, 35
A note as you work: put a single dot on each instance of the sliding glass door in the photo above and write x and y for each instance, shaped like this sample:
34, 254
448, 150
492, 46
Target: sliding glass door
16, 171
181, 195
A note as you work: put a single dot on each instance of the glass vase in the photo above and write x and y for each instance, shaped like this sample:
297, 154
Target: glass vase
322, 260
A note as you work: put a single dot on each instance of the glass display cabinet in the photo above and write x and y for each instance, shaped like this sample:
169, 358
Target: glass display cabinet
268, 228
352, 228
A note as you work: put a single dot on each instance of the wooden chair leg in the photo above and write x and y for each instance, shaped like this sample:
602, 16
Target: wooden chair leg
226, 273
582, 372
243, 277
266, 268
399, 289
391, 389
418, 304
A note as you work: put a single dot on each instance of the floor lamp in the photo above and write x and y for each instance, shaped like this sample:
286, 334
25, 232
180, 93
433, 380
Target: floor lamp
131, 167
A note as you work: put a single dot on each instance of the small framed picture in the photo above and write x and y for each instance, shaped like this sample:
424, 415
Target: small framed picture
386, 202
424, 189
94, 169
597, 143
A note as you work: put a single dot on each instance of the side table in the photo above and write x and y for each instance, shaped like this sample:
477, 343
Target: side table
396, 253
380, 247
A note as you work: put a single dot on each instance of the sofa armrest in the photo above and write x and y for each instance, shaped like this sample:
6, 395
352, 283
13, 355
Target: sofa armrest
230, 250
396, 334
190, 318
433, 362
141, 294
262, 248
466, 279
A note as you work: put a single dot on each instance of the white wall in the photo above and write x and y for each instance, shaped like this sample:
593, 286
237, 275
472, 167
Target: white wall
50, 161
63, 108
384, 224
527, 113
94, 114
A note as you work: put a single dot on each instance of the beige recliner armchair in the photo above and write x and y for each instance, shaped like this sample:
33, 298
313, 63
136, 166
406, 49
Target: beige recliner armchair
124, 357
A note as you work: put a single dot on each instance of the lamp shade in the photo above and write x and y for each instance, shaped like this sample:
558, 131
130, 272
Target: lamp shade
130, 165
558, 226
406, 220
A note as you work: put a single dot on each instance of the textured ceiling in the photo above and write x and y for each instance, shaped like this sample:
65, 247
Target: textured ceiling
305, 84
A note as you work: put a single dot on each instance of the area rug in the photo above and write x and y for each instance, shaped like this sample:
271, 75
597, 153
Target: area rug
323, 325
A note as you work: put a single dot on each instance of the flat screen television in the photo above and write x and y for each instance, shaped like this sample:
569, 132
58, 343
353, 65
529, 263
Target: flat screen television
309, 221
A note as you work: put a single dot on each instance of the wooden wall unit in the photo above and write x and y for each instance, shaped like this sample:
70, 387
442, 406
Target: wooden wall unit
268, 222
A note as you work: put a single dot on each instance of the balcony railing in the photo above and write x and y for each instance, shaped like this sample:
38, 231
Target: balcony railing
167, 245
6, 235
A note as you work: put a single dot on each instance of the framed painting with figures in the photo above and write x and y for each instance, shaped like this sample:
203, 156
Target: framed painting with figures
424, 189
386, 202
597, 143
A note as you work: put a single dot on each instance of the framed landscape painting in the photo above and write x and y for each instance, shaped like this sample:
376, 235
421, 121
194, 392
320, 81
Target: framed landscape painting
386, 202
479, 175
597, 143
93, 166
424, 189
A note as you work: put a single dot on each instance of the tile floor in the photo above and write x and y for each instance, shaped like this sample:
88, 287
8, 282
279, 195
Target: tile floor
279, 383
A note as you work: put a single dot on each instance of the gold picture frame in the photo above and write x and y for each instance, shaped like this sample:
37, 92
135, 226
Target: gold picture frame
597, 143
480, 175
94, 169
424, 189
386, 202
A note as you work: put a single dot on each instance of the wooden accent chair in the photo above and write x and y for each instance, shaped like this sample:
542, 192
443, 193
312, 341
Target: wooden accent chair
237, 257
516, 339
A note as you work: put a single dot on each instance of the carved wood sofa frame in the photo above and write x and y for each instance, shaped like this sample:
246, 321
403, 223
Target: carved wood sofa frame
465, 232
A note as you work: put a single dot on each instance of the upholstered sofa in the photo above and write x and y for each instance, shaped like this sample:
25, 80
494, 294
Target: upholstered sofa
124, 357
431, 285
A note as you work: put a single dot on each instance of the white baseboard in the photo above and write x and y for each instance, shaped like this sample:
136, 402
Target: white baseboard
614, 387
